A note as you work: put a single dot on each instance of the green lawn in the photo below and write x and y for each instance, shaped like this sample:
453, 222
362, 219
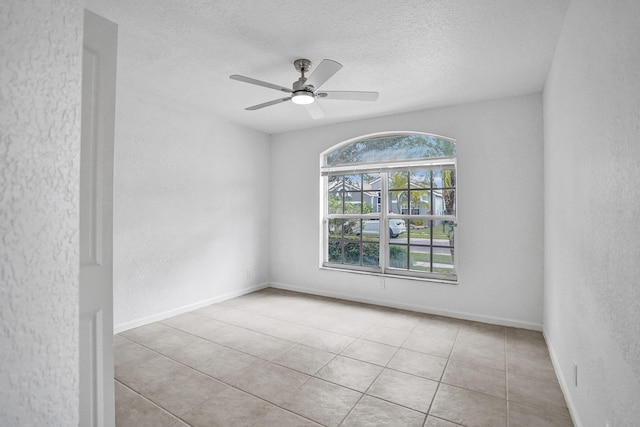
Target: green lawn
424, 233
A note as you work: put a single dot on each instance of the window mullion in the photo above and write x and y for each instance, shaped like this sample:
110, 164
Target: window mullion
384, 230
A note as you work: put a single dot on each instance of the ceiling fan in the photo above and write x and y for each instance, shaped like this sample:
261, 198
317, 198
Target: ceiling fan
305, 90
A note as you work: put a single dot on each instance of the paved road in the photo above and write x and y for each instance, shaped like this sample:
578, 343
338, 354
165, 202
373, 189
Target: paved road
424, 249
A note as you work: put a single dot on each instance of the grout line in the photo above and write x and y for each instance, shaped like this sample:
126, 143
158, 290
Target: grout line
152, 402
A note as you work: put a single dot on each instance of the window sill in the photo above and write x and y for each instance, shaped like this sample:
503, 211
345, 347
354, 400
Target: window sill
392, 276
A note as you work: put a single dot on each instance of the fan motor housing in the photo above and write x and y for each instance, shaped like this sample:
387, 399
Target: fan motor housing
302, 65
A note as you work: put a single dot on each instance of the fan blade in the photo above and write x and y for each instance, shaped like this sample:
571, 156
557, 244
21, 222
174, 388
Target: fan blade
348, 95
259, 83
323, 72
315, 111
266, 104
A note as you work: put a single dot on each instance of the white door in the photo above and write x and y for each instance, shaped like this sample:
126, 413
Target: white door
96, 222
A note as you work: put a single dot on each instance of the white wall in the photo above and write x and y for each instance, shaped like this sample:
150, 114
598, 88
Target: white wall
592, 207
40, 71
500, 207
190, 207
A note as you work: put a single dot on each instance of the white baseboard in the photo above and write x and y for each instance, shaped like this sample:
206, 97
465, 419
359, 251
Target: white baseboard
417, 308
174, 312
563, 383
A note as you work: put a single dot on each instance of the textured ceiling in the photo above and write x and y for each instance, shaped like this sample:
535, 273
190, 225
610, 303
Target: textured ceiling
417, 54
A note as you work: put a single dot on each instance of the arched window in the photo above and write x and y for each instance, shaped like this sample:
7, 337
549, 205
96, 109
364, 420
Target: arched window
405, 181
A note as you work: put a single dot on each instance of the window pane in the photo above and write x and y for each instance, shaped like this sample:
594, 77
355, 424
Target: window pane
351, 229
335, 202
449, 178
419, 232
421, 178
420, 258
352, 205
394, 147
443, 233
397, 256
449, 197
443, 178
399, 200
420, 202
397, 228
335, 228
335, 251
353, 182
370, 203
442, 260
398, 180
371, 254
352, 253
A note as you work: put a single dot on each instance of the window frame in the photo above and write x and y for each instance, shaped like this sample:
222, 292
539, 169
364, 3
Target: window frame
384, 169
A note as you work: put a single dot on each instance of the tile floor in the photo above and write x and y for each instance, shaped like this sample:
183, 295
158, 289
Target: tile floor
279, 358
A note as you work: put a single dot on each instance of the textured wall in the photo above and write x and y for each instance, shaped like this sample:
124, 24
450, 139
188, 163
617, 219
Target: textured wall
592, 206
191, 198
500, 195
40, 71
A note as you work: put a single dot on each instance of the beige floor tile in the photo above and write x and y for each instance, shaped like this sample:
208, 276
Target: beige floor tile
431, 326
256, 344
305, 359
323, 402
128, 354
469, 407
328, 341
439, 422
230, 315
170, 385
531, 364
416, 363
398, 320
350, 328
404, 389
536, 392
525, 341
281, 329
269, 381
477, 329
477, 378
350, 373
182, 390
385, 335
155, 368
222, 363
482, 340
431, 344
479, 356
133, 410
278, 417
485, 348
521, 415
201, 326
372, 412
371, 352
230, 407
171, 342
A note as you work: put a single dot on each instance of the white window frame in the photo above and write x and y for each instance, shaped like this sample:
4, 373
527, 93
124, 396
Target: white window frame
384, 169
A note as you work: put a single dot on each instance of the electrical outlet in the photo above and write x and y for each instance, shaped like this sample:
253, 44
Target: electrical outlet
381, 282
575, 373
249, 274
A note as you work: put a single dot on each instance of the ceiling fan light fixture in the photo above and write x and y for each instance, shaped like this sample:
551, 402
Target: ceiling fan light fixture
302, 97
